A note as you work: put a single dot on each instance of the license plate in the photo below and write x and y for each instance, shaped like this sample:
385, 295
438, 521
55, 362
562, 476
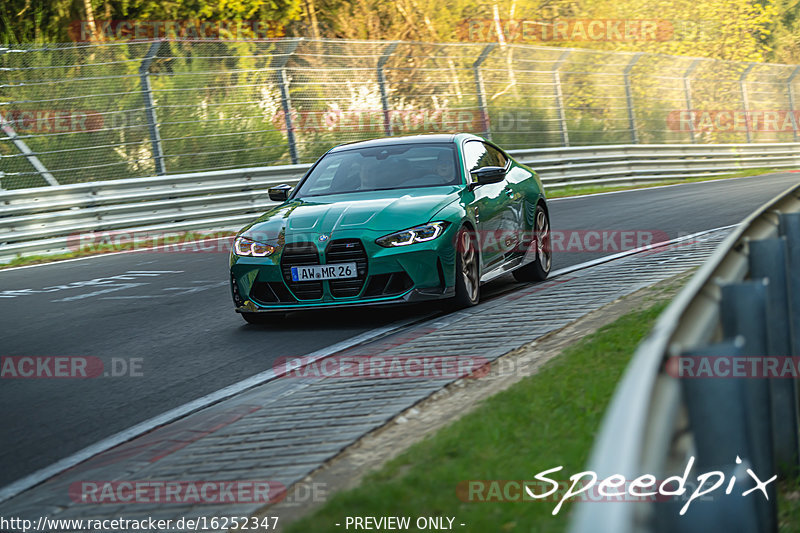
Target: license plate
320, 272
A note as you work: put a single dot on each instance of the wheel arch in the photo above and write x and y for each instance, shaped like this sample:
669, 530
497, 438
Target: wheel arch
541, 201
470, 226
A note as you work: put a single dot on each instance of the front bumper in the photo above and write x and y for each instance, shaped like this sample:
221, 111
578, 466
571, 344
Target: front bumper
412, 296
417, 272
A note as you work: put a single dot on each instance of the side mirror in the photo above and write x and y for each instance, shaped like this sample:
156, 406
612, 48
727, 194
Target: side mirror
280, 193
486, 175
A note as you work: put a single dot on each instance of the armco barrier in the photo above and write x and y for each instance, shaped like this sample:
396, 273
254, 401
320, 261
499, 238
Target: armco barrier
38, 220
742, 306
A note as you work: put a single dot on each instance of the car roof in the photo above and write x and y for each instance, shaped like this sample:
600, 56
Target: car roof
406, 139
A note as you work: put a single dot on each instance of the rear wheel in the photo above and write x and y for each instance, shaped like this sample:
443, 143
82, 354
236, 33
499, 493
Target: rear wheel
467, 271
261, 319
538, 269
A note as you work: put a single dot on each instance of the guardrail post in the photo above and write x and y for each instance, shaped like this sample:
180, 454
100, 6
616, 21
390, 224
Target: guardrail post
629, 97
743, 312
718, 442
387, 120
768, 261
745, 102
789, 227
562, 115
687, 94
480, 90
149, 108
790, 89
286, 101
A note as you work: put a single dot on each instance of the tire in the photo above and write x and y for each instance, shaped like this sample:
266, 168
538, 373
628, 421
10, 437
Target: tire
261, 319
539, 269
468, 290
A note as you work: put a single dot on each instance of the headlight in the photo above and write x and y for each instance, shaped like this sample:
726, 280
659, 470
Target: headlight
249, 247
426, 232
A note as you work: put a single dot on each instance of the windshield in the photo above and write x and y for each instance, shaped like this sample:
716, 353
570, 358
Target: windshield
381, 168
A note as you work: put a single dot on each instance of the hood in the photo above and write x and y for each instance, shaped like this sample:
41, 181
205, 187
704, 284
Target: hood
374, 211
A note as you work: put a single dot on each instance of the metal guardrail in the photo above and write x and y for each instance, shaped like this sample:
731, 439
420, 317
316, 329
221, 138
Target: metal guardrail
744, 302
42, 220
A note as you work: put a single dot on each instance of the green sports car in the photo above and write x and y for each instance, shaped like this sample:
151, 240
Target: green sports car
400, 219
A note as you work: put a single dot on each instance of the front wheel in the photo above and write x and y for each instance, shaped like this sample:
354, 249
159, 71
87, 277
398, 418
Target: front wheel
467, 271
538, 269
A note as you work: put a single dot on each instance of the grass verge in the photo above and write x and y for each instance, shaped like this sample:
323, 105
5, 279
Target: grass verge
547, 420
789, 505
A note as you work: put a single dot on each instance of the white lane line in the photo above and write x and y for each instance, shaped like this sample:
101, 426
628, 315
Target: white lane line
111, 287
31, 480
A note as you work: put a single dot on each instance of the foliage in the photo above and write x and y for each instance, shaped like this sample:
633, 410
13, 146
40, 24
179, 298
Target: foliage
744, 30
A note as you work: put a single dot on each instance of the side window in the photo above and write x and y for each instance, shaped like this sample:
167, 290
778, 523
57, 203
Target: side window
496, 156
475, 155
478, 155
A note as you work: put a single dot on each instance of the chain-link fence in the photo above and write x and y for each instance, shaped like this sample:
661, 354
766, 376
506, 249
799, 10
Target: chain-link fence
79, 112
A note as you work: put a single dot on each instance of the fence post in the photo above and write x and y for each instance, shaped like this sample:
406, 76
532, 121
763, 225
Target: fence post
791, 100
480, 90
687, 94
22, 146
286, 101
387, 52
149, 107
562, 116
745, 102
629, 97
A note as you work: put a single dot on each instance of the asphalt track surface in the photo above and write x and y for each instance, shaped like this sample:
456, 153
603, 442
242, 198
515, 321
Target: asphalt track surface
167, 326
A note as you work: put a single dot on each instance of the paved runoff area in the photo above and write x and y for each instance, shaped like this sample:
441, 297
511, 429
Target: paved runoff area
235, 457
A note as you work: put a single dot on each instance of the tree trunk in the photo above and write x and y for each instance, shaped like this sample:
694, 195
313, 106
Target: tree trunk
96, 35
